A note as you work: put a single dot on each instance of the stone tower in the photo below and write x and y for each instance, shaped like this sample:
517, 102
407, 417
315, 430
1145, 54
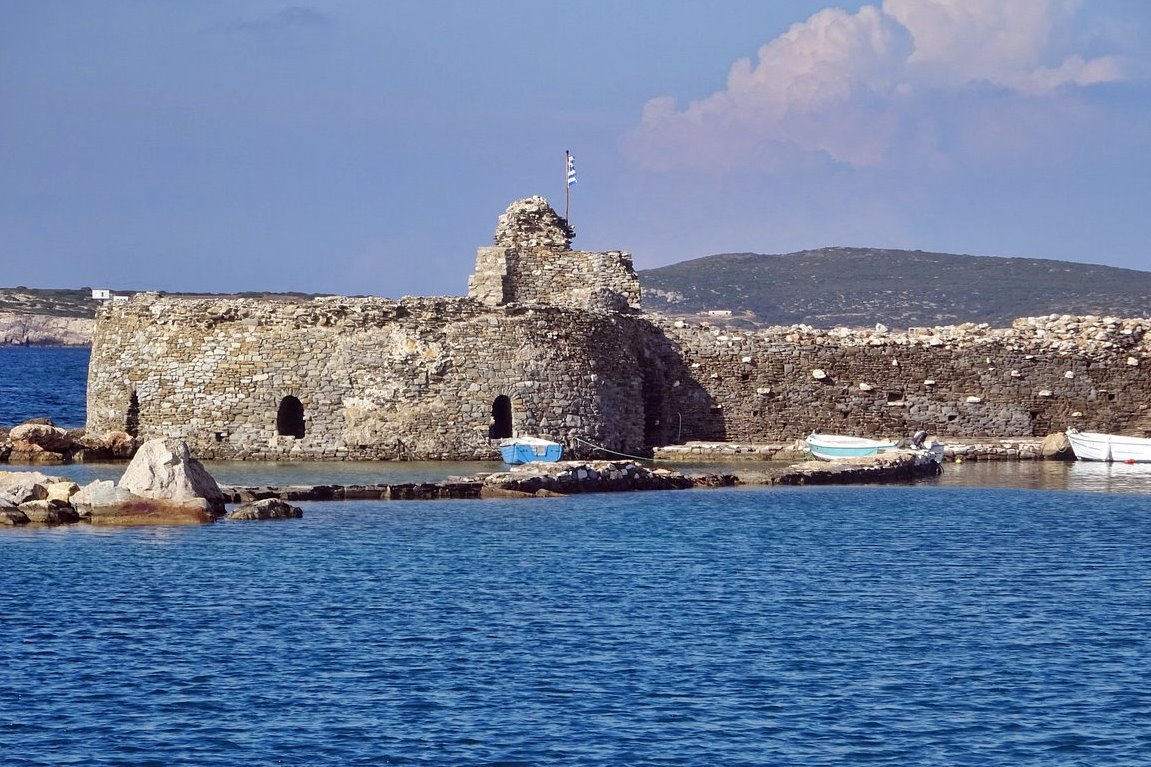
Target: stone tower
531, 262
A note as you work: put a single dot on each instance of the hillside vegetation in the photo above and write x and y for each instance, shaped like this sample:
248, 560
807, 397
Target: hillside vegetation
859, 287
53, 302
854, 287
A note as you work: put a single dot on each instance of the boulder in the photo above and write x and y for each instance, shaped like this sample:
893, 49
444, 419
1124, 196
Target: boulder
104, 503
120, 444
29, 453
15, 477
49, 512
1056, 446
61, 491
150, 511
101, 497
164, 469
18, 491
112, 445
10, 515
45, 436
269, 508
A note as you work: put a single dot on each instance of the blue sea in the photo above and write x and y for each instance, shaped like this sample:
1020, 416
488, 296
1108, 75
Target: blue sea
43, 382
998, 616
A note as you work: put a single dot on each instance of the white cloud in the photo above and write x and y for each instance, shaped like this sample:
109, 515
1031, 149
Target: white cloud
1001, 43
852, 86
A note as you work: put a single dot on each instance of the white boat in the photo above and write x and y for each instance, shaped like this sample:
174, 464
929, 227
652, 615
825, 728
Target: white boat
832, 446
829, 447
1095, 446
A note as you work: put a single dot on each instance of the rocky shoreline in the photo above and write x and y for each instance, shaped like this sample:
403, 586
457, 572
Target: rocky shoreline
164, 484
45, 330
39, 442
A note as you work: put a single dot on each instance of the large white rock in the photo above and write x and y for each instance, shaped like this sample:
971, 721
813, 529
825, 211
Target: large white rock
164, 469
101, 496
19, 477
51, 438
19, 491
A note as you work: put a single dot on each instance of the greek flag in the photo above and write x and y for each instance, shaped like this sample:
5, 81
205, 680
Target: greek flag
571, 170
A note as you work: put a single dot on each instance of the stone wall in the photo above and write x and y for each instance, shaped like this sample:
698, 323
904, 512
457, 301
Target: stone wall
550, 343
1038, 376
374, 378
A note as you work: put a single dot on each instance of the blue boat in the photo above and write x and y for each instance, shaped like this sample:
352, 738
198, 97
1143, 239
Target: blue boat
528, 449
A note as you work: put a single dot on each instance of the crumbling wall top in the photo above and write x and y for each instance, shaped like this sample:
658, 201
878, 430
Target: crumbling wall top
531, 223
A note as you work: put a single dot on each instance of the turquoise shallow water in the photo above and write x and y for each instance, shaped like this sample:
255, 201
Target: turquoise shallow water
927, 625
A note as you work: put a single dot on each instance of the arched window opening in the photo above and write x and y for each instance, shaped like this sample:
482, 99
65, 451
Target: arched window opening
501, 427
290, 418
132, 421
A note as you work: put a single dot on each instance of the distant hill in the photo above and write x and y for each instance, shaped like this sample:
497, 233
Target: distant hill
859, 287
855, 287
53, 302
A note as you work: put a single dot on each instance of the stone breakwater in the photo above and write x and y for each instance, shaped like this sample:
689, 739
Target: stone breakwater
533, 479
35, 498
576, 477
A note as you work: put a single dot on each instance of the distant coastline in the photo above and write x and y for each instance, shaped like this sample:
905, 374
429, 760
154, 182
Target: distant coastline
45, 330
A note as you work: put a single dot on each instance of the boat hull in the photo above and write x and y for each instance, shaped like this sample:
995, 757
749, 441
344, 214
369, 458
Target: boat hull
829, 447
1096, 446
526, 451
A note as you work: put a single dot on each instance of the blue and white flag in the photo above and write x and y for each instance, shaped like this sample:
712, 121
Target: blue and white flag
571, 170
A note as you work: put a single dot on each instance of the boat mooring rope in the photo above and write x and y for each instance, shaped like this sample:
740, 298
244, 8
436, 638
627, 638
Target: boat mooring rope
613, 452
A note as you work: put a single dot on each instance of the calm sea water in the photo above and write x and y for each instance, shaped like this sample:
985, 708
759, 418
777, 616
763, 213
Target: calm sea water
998, 616
748, 627
43, 382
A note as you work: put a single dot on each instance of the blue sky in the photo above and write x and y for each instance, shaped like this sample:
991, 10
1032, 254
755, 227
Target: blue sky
364, 147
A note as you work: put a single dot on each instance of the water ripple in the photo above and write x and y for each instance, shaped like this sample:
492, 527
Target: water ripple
808, 626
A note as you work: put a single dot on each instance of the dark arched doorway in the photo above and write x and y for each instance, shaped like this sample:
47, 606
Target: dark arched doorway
290, 418
132, 421
501, 427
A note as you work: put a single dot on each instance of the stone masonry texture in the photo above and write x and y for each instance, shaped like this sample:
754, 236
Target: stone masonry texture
551, 342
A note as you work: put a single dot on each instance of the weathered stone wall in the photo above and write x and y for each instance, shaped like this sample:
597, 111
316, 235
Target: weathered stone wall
377, 379
1038, 376
418, 378
532, 263
555, 334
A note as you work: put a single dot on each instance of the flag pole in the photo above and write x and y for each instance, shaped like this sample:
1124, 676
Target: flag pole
567, 184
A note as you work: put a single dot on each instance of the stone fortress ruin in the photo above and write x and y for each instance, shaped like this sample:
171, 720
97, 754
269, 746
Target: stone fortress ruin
552, 342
